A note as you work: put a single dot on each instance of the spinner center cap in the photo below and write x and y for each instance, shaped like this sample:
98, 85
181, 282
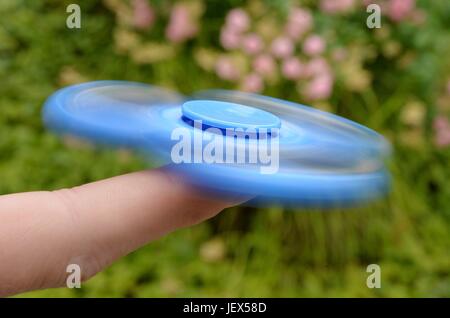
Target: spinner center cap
225, 115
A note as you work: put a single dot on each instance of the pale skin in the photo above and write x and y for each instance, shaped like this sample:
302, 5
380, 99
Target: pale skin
92, 225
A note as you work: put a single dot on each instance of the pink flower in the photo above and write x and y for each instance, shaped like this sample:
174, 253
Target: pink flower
252, 83
230, 39
292, 68
143, 14
317, 66
181, 27
441, 123
313, 45
299, 22
399, 10
336, 6
320, 87
226, 69
442, 139
252, 44
238, 20
441, 126
282, 47
264, 64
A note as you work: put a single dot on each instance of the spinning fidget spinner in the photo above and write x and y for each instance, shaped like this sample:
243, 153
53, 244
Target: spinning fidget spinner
230, 142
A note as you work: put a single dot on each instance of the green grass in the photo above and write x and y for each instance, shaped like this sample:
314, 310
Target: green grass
243, 251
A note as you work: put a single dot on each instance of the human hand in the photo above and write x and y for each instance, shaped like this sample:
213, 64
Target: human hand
92, 225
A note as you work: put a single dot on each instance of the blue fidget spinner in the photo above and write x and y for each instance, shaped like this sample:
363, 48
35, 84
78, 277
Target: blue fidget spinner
230, 142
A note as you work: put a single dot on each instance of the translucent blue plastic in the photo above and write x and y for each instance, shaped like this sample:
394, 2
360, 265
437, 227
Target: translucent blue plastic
323, 160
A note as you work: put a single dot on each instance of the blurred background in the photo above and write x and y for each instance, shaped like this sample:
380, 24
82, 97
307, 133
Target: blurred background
394, 79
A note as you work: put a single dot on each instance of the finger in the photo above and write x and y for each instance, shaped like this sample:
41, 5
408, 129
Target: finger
91, 225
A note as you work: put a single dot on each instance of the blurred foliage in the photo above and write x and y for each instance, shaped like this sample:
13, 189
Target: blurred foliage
244, 251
